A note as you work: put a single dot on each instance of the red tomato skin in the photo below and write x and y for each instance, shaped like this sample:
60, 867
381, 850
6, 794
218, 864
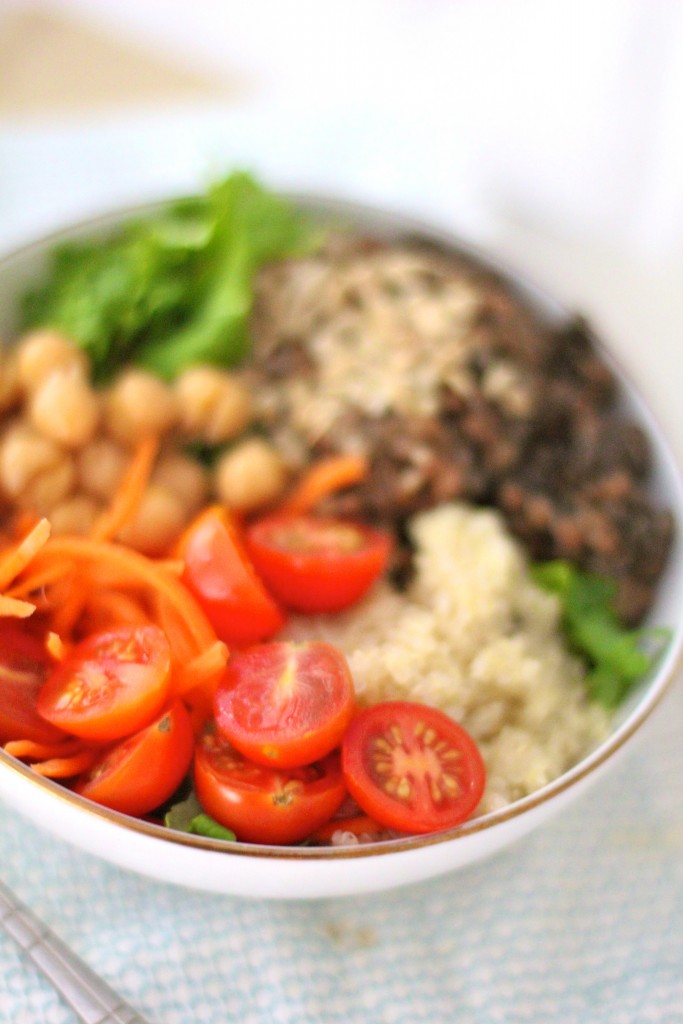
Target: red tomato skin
317, 565
285, 704
403, 728
265, 805
220, 575
110, 685
24, 667
142, 771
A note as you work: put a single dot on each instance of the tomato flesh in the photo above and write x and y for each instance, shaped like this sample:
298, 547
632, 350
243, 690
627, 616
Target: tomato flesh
411, 767
110, 685
265, 805
220, 575
285, 704
144, 770
315, 565
24, 667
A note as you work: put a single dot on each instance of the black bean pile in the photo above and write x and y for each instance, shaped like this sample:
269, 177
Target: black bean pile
567, 471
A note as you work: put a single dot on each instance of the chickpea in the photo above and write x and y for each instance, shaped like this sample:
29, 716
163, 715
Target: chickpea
159, 521
65, 408
10, 389
185, 477
101, 464
43, 351
49, 488
214, 405
139, 403
251, 475
25, 453
76, 514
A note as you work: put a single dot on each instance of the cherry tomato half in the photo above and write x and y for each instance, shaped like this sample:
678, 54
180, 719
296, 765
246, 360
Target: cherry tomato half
411, 767
24, 667
315, 564
265, 805
220, 575
285, 704
110, 685
144, 770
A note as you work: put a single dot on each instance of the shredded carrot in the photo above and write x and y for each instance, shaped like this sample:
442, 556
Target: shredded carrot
196, 683
55, 646
63, 759
130, 491
66, 767
112, 607
324, 478
98, 562
18, 557
29, 749
204, 671
68, 610
10, 607
33, 582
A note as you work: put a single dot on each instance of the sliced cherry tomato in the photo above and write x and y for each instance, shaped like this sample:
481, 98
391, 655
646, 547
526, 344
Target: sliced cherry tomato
359, 825
144, 770
265, 805
314, 564
411, 767
110, 685
24, 667
219, 573
285, 704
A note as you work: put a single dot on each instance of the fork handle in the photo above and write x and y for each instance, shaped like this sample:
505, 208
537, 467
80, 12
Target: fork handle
88, 995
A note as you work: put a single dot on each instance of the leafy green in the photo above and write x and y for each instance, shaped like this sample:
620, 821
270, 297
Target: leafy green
617, 657
188, 816
175, 287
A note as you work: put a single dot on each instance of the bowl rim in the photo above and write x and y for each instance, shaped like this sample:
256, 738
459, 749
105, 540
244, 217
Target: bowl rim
605, 750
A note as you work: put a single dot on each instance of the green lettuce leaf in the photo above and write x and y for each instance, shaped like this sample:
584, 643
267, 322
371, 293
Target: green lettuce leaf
173, 288
188, 816
617, 657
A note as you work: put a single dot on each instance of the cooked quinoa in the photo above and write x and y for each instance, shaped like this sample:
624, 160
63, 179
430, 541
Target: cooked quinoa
475, 637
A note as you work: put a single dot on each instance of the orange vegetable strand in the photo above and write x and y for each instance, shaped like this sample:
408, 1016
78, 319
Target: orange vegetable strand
10, 607
66, 767
115, 564
28, 749
130, 491
324, 478
12, 562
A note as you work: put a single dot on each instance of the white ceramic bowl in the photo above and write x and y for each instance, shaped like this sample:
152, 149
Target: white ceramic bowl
302, 872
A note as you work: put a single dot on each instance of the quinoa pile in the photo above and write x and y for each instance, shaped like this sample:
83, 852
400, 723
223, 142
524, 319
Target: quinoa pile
475, 637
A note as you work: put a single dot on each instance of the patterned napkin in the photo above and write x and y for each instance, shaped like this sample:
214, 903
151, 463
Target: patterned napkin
579, 923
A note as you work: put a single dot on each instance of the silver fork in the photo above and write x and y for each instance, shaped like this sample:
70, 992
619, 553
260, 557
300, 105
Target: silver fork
88, 995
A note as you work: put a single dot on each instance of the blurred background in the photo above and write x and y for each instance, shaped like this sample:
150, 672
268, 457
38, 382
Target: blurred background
548, 130
562, 112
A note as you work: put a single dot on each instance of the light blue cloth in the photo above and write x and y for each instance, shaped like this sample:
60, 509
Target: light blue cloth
579, 923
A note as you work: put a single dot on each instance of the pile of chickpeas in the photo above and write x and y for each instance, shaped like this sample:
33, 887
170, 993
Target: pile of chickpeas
64, 444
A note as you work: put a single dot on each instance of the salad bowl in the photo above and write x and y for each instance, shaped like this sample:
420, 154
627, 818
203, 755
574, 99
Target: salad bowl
308, 871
